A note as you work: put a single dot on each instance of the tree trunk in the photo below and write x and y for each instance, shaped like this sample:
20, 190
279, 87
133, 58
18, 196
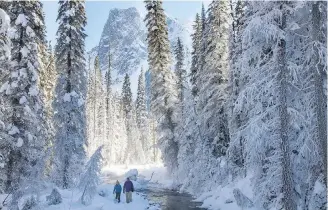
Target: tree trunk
320, 98
287, 182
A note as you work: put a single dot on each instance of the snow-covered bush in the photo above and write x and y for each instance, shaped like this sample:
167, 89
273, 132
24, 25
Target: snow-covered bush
30, 204
318, 198
241, 199
54, 198
90, 179
103, 191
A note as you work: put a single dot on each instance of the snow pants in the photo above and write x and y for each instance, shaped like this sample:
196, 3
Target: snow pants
118, 197
128, 196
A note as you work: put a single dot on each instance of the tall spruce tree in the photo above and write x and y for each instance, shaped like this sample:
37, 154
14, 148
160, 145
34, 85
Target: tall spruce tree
89, 109
141, 100
213, 79
179, 69
196, 40
119, 143
70, 119
203, 18
319, 71
99, 100
304, 44
163, 82
141, 112
126, 95
109, 116
23, 119
237, 117
263, 111
129, 112
5, 107
200, 54
49, 77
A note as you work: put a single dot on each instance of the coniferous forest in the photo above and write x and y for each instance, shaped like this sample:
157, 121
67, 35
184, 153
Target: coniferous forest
250, 109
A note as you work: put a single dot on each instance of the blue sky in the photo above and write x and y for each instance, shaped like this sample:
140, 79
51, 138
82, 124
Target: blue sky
97, 13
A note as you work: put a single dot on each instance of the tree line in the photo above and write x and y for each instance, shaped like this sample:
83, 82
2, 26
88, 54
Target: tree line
254, 104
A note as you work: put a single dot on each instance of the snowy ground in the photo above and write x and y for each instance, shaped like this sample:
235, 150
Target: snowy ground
110, 175
71, 198
223, 198
71, 201
150, 177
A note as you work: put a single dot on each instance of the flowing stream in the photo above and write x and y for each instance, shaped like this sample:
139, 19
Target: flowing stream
171, 200
166, 198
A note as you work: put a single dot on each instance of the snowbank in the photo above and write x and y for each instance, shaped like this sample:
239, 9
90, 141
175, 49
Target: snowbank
71, 201
223, 197
132, 174
154, 173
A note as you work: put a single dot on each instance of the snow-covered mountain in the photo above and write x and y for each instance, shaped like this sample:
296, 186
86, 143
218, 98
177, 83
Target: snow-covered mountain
124, 35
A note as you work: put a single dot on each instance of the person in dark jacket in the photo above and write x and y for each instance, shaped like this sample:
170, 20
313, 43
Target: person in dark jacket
128, 189
117, 190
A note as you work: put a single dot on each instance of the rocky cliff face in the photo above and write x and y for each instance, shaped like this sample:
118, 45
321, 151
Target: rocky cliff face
124, 36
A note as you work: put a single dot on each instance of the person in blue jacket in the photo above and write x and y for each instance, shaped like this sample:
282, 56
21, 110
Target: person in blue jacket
117, 190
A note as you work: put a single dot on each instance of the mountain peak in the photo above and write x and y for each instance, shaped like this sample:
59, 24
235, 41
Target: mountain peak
124, 36
119, 11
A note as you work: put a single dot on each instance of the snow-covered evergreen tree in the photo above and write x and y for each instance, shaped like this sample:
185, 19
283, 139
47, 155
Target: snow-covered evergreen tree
5, 110
108, 144
49, 79
119, 142
163, 82
99, 107
23, 115
189, 139
70, 119
89, 109
265, 128
304, 80
126, 95
196, 41
141, 114
134, 152
213, 79
4, 5
90, 179
319, 71
179, 69
133, 138
140, 101
236, 84
203, 18
96, 108
148, 89
199, 42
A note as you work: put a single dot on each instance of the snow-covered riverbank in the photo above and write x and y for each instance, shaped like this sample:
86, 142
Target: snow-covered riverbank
71, 201
104, 199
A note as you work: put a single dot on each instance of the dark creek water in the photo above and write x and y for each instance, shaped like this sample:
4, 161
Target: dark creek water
167, 199
171, 200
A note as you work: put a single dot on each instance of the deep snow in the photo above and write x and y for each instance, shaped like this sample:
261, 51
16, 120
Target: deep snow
148, 177
221, 198
71, 201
